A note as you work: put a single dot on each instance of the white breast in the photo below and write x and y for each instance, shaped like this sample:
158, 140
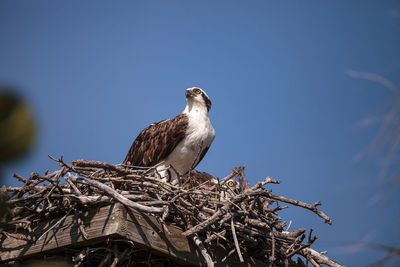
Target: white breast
199, 135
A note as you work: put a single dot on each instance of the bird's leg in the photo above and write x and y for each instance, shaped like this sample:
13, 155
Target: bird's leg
178, 177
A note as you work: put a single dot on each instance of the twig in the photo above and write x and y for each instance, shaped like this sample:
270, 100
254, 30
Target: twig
320, 257
203, 251
236, 241
312, 207
120, 198
272, 257
60, 220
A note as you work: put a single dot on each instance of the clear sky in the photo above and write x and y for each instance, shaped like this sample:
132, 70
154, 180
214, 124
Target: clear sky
97, 72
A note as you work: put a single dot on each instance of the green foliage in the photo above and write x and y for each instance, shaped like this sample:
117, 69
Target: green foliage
17, 127
17, 133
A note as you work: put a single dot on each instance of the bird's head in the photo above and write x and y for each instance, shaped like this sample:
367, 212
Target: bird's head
232, 184
195, 96
230, 189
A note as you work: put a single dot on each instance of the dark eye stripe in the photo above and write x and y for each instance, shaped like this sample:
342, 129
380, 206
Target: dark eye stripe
207, 101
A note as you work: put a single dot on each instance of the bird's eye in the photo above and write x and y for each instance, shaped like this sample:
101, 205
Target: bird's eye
198, 91
231, 183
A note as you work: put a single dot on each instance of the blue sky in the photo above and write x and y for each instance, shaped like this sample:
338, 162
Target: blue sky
97, 72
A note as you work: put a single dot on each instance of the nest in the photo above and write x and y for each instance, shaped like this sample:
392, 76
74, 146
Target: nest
243, 220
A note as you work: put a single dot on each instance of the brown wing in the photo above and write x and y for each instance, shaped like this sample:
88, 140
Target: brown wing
157, 141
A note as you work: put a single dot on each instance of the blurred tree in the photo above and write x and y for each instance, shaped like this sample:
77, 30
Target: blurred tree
17, 133
387, 140
387, 144
17, 126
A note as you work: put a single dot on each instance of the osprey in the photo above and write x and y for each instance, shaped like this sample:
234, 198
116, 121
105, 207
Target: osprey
177, 145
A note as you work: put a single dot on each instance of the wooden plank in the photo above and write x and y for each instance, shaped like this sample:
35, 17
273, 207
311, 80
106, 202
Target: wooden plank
147, 231
99, 223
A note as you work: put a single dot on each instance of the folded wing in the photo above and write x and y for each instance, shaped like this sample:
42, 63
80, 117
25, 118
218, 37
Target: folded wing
157, 141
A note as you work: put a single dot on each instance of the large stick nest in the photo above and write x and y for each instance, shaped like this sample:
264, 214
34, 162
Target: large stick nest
243, 220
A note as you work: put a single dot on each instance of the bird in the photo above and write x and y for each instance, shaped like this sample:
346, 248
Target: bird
197, 178
175, 146
229, 189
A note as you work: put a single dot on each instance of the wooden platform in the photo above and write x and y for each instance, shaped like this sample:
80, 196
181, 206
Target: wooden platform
113, 221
